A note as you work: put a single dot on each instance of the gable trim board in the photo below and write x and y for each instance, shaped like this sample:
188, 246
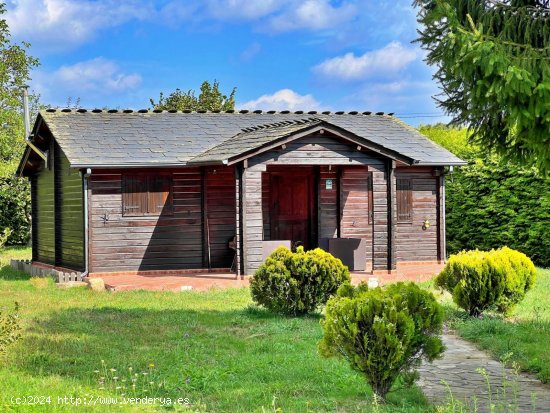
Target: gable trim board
226, 199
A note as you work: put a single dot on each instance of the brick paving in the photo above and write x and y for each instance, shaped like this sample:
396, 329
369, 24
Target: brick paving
509, 392
202, 282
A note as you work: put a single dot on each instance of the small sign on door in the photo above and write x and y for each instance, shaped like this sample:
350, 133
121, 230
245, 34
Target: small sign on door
328, 184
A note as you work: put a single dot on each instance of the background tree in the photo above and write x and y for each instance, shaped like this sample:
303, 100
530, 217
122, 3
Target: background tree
493, 65
15, 67
210, 98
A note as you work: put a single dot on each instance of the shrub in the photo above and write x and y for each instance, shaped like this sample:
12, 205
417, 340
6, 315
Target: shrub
15, 209
297, 283
4, 235
383, 332
481, 280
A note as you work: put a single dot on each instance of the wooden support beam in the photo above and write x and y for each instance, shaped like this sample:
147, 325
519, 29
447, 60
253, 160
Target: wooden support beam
205, 230
392, 215
238, 221
441, 236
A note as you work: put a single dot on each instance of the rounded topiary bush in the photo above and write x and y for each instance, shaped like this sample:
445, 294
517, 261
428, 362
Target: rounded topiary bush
383, 332
482, 280
297, 283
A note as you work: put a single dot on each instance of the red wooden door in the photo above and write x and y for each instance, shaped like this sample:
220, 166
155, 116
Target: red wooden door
291, 207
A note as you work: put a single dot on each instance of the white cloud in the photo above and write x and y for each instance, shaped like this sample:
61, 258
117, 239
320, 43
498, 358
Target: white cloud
404, 97
313, 15
62, 24
242, 9
387, 61
252, 50
284, 99
97, 77
56, 25
97, 74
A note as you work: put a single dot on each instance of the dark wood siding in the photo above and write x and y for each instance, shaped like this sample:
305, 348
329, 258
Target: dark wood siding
328, 204
266, 204
69, 213
414, 243
176, 239
34, 219
220, 207
316, 150
44, 217
355, 205
252, 231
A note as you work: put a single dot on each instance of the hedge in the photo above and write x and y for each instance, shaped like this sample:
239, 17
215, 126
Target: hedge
15, 209
492, 203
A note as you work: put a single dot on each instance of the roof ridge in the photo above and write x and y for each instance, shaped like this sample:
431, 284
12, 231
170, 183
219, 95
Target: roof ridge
186, 111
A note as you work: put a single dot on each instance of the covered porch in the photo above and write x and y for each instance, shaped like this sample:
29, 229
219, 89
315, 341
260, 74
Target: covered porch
314, 187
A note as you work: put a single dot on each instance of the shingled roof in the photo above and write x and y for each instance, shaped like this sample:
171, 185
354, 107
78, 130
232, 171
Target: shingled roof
146, 138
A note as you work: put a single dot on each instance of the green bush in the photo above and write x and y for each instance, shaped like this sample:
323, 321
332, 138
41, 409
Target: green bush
482, 280
297, 283
384, 332
15, 206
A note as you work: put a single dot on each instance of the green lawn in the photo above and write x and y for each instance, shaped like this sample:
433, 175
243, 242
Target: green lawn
524, 337
213, 348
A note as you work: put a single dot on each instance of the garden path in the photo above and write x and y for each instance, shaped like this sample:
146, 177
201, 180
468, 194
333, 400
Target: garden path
509, 392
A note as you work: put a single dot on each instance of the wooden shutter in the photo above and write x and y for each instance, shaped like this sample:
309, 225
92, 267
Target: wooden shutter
134, 195
160, 195
404, 200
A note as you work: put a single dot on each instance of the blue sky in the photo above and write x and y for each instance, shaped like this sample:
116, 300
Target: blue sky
280, 54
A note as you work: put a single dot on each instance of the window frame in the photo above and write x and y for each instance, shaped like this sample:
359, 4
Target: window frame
408, 192
149, 194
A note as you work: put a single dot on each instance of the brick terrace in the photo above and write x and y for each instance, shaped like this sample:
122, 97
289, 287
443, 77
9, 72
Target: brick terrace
202, 282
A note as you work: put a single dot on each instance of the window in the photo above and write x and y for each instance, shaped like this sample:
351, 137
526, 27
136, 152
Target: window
146, 194
404, 200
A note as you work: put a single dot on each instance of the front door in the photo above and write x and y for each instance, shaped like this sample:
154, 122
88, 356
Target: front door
292, 206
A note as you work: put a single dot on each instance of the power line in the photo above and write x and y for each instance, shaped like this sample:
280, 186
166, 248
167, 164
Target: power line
420, 115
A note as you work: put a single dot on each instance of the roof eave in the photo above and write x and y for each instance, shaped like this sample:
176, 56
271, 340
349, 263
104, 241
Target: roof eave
129, 165
446, 163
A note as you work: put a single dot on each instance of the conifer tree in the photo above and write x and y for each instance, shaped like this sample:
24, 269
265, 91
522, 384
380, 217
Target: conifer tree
493, 66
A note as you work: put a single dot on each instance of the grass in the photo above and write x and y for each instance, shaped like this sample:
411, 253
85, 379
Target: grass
523, 337
213, 348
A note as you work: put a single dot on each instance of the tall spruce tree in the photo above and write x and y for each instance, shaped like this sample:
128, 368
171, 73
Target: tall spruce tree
493, 66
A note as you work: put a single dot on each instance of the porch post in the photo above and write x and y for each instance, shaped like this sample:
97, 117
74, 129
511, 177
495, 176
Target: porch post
379, 220
441, 244
384, 217
392, 216
252, 219
238, 220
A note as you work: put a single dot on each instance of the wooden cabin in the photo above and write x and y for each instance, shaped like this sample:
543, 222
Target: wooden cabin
173, 192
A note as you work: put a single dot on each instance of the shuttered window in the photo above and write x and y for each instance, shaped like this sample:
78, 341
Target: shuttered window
146, 194
404, 200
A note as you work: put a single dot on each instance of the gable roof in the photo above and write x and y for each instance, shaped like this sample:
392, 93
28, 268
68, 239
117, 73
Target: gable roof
255, 140
151, 138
